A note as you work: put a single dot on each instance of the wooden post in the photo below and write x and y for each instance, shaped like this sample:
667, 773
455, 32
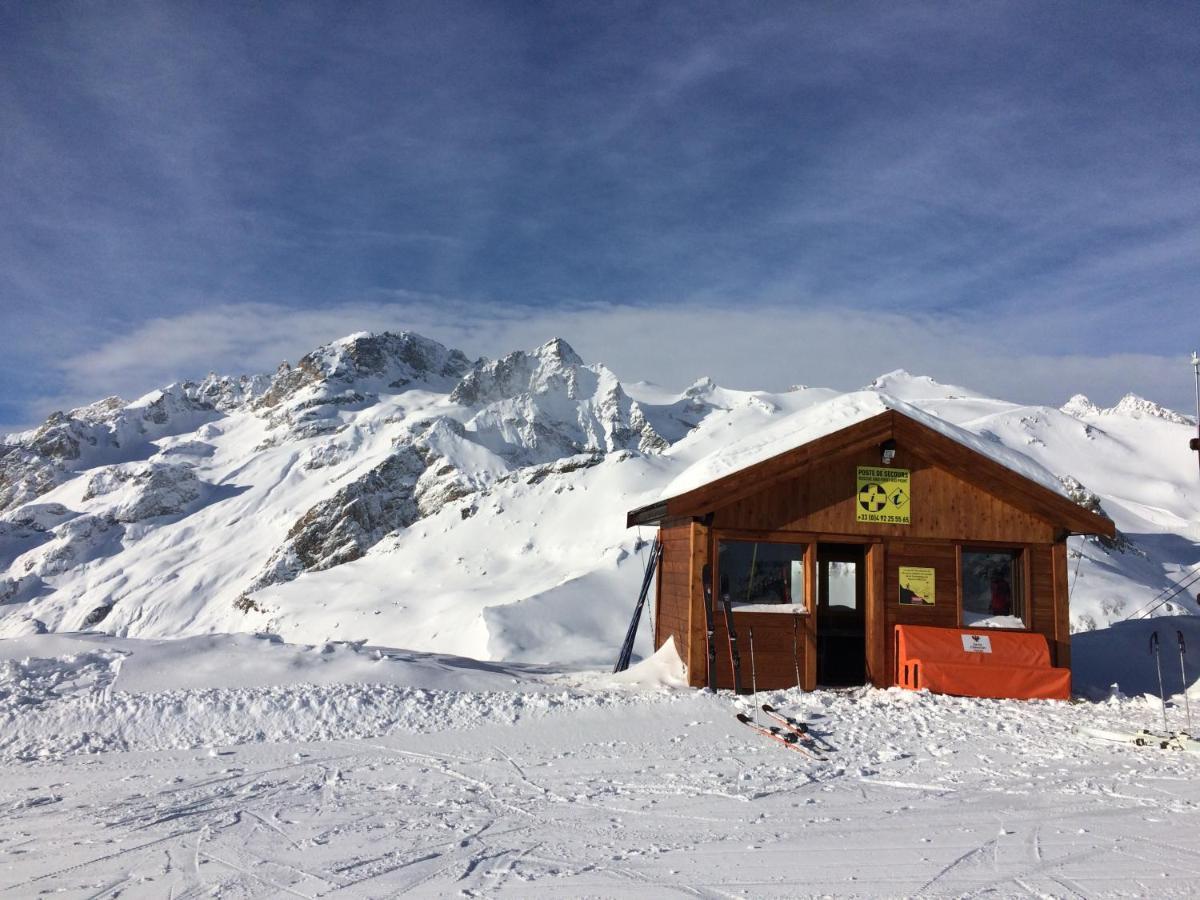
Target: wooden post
696, 655
810, 631
1062, 605
658, 592
958, 585
876, 618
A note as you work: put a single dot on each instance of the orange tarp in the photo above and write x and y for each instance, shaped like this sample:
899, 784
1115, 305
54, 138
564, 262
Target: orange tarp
978, 663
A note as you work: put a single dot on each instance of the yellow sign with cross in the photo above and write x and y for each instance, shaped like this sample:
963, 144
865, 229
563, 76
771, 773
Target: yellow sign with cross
883, 496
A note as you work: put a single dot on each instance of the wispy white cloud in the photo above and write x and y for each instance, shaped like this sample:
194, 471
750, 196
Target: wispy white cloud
767, 347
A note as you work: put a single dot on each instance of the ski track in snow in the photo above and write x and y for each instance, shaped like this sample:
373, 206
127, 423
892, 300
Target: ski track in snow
564, 786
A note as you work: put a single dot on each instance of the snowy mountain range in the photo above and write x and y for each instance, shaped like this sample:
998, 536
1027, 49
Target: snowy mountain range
387, 488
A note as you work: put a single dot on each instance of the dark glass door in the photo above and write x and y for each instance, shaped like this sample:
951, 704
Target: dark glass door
841, 614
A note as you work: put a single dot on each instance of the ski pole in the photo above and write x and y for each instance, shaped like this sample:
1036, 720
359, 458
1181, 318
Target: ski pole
753, 676
1183, 676
795, 650
1158, 664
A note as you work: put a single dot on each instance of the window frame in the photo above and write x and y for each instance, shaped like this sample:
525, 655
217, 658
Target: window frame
810, 558
1021, 565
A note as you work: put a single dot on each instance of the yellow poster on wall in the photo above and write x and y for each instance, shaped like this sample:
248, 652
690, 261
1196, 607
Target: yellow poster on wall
883, 496
918, 586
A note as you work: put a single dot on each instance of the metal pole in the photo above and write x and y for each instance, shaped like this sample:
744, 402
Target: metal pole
1162, 695
1183, 677
753, 564
1196, 367
795, 649
753, 676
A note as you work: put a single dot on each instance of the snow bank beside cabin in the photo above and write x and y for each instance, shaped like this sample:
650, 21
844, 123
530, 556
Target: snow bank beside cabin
65, 694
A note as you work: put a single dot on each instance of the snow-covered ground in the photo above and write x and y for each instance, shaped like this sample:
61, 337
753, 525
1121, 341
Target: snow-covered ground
235, 766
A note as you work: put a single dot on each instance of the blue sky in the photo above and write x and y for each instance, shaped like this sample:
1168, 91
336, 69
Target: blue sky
1002, 195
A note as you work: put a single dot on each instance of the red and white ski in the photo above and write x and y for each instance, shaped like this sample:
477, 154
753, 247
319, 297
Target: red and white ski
788, 738
798, 728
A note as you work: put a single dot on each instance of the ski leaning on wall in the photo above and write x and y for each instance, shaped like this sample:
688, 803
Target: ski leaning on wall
710, 627
626, 654
735, 658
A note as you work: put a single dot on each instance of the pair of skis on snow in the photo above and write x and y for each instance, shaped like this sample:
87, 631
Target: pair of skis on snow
1167, 740
791, 732
1177, 740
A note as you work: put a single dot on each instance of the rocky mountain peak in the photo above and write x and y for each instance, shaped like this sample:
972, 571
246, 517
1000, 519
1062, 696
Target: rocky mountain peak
538, 405
1131, 406
1138, 407
401, 356
551, 367
387, 360
700, 387
556, 350
890, 378
1080, 405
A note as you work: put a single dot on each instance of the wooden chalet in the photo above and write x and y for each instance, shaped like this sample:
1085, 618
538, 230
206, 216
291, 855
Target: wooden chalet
823, 549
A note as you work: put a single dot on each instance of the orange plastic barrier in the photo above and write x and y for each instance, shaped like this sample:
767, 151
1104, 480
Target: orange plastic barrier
983, 663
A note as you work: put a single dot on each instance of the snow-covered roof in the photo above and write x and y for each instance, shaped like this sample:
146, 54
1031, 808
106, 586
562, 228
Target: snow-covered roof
833, 415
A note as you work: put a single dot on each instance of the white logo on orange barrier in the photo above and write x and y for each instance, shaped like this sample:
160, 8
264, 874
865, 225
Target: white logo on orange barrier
977, 643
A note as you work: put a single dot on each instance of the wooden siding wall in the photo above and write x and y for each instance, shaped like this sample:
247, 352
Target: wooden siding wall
773, 660
671, 616
944, 506
696, 655
1043, 604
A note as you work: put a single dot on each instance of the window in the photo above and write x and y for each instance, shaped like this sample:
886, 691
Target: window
993, 589
755, 573
843, 585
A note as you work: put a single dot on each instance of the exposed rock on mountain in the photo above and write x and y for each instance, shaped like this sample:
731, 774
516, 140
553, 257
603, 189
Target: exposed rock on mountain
145, 490
348, 375
551, 368
353, 520
224, 393
1135, 406
1130, 405
527, 410
76, 541
387, 360
110, 431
